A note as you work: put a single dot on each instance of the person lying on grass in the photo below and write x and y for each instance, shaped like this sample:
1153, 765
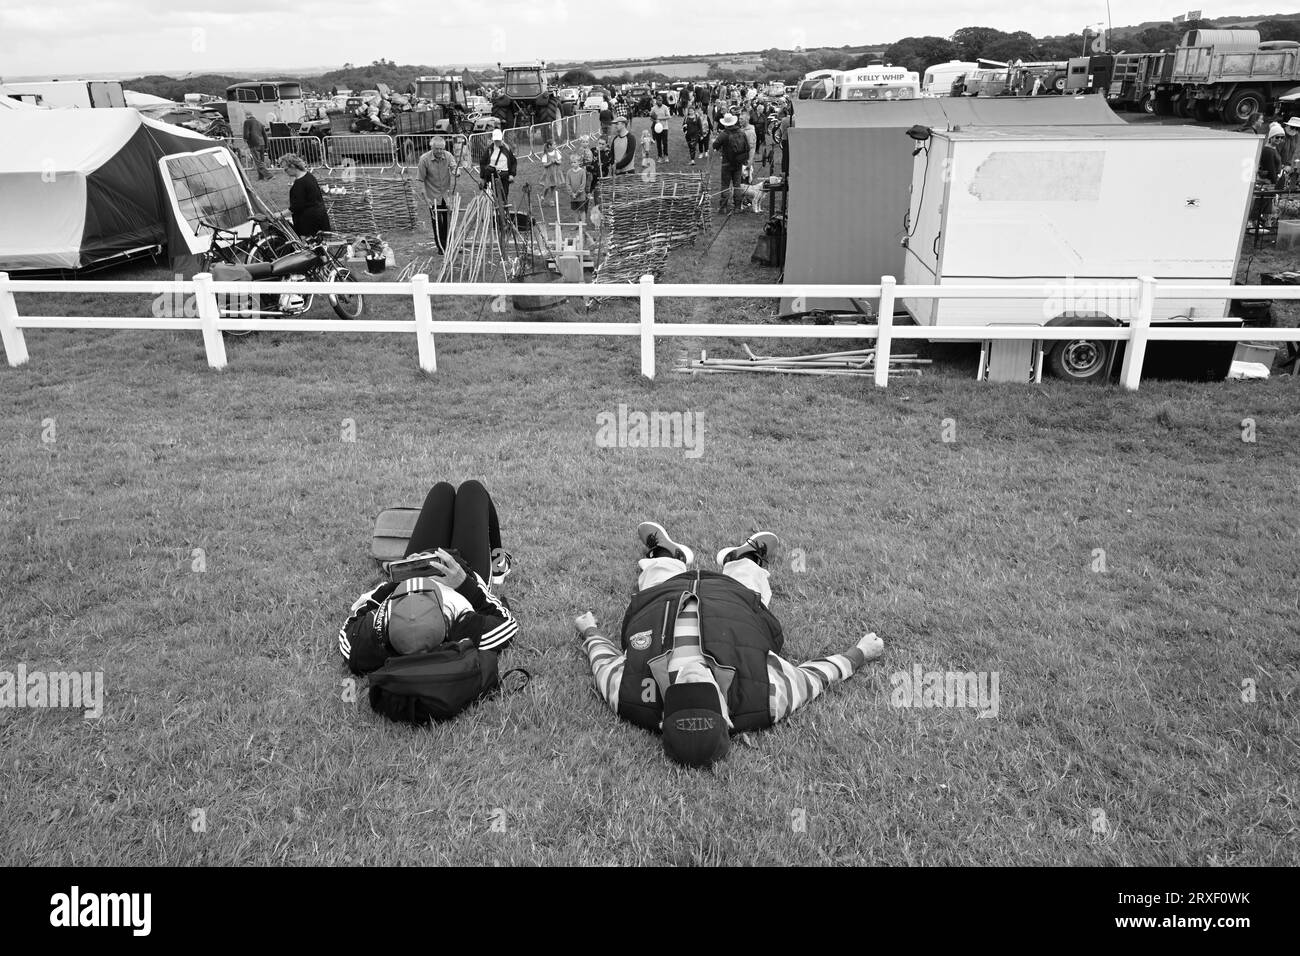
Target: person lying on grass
699, 650
458, 532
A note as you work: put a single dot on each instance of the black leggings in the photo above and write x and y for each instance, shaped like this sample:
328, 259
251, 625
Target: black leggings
463, 519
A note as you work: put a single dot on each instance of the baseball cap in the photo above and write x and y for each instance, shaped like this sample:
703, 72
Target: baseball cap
416, 621
695, 732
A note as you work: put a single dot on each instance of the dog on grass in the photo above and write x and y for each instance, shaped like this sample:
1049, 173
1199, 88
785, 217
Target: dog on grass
753, 195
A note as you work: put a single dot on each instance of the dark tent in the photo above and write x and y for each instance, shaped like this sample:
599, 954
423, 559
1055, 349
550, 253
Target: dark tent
851, 170
79, 187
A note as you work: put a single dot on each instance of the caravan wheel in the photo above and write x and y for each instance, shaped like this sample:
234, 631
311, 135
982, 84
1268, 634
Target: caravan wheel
1079, 360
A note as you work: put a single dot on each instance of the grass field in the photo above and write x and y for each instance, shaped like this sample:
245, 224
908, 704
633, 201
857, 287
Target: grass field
1124, 562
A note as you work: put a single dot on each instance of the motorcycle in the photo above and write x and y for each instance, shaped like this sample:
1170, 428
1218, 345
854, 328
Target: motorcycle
275, 253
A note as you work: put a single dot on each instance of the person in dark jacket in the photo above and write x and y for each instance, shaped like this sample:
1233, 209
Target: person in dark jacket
255, 137
693, 128
699, 657
733, 146
306, 201
1270, 162
458, 531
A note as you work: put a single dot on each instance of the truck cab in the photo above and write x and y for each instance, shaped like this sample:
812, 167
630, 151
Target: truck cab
442, 91
271, 101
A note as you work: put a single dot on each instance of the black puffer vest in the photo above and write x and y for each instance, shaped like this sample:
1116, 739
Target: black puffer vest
736, 631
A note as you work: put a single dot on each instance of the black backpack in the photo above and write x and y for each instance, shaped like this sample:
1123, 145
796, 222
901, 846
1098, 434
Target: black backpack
436, 685
735, 147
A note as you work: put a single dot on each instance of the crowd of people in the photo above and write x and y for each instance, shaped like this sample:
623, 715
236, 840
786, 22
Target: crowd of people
744, 128
1278, 157
743, 132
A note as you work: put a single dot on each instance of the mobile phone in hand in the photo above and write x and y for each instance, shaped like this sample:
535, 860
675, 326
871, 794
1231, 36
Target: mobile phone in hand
416, 566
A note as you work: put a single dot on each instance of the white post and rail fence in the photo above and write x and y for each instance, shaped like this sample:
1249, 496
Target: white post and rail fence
208, 320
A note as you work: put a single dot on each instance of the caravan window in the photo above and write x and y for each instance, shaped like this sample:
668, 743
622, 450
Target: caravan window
290, 91
243, 94
268, 93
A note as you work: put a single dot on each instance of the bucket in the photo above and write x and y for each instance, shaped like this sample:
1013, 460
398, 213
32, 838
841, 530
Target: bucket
536, 303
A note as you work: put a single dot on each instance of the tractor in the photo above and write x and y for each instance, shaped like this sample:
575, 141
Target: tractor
446, 94
527, 99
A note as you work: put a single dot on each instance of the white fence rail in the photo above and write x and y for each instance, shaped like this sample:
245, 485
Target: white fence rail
200, 313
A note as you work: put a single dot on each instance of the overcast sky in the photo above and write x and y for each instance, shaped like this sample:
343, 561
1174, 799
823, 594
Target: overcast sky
139, 36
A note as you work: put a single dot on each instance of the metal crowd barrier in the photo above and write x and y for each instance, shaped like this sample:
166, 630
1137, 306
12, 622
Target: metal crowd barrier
381, 151
308, 147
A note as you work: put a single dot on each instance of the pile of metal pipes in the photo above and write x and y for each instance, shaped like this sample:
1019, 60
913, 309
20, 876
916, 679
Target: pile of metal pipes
859, 362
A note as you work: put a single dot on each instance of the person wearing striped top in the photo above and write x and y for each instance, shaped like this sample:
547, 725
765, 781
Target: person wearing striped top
699, 656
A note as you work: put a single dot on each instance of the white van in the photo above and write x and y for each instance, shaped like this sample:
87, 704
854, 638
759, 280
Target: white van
878, 83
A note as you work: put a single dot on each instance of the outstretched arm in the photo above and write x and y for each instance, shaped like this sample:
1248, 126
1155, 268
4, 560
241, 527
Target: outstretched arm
792, 687
605, 659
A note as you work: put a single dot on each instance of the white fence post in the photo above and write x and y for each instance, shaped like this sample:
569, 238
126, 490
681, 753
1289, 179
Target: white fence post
648, 326
424, 323
1135, 353
206, 300
885, 321
10, 333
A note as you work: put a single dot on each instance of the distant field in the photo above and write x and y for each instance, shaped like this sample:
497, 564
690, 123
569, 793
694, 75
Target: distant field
686, 70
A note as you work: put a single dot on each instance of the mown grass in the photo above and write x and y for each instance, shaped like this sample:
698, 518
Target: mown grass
1121, 692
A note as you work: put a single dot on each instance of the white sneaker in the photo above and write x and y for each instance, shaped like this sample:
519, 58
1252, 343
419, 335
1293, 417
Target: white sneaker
653, 536
760, 547
502, 565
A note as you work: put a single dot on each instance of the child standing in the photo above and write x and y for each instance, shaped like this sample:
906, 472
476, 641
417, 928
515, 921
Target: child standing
647, 157
577, 179
552, 171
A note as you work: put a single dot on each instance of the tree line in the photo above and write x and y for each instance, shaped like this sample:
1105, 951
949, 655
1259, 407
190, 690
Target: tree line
787, 66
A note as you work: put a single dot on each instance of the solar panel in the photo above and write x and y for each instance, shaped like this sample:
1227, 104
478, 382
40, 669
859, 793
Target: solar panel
205, 187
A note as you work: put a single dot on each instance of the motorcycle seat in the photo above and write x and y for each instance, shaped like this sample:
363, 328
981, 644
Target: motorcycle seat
259, 270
